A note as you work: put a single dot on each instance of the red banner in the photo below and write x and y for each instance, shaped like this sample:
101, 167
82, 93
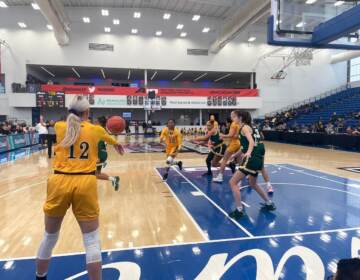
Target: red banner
109, 90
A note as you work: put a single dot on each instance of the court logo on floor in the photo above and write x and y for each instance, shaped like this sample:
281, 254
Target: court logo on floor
351, 169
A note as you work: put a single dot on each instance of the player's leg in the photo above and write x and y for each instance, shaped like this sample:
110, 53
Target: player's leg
266, 177
115, 180
235, 188
268, 205
208, 161
220, 177
51, 235
85, 207
91, 239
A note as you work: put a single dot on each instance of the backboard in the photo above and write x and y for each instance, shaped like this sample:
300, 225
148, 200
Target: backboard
315, 23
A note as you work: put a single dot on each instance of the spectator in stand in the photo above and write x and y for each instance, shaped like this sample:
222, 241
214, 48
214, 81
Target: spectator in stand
356, 131
51, 137
329, 128
42, 130
349, 130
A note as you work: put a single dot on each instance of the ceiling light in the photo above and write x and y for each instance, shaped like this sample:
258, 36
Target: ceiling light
3, 4
49, 26
116, 21
183, 34
153, 76
137, 15
196, 17
177, 76
252, 39
104, 12
76, 72
107, 29
86, 19
223, 77
206, 29
339, 3
201, 76
180, 26
134, 31
47, 71
35, 6
167, 16
310, 1
158, 33
300, 24
22, 24
103, 73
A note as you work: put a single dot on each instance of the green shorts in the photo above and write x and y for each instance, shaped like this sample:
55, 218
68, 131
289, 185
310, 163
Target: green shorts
252, 166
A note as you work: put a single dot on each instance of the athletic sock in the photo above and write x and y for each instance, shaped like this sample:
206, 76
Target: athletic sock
239, 208
268, 184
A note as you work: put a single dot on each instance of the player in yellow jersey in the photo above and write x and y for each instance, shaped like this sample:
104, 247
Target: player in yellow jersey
233, 147
74, 184
173, 141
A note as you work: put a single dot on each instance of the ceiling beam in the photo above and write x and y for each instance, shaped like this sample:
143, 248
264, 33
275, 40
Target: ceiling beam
245, 15
54, 13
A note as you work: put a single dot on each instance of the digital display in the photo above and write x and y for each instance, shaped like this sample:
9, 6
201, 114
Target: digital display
126, 115
50, 99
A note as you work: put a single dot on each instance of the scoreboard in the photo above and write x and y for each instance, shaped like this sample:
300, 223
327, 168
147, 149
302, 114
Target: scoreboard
50, 99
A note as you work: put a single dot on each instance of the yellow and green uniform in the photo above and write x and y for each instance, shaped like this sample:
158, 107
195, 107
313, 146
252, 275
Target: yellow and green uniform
217, 145
74, 182
251, 166
234, 144
173, 140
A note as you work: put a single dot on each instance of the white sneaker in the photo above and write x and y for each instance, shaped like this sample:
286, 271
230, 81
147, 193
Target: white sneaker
219, 178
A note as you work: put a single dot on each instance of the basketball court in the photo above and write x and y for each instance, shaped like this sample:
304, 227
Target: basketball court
180, 228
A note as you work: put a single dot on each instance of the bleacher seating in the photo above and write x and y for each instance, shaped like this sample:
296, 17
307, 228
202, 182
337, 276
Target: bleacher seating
343, 103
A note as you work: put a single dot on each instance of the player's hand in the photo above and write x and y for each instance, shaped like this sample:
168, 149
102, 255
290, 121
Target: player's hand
119, 149
247, 155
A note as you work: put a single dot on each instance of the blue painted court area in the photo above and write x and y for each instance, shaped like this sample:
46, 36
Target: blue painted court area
316, 223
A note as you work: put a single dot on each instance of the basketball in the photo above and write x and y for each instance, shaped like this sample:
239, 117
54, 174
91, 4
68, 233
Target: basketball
115, 125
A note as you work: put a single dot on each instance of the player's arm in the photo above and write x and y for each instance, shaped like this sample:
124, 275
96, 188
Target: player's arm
205, 137
104, 136
163, 135
246, 132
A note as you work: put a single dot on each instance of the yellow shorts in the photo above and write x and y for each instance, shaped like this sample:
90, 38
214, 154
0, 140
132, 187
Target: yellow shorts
233, 147
171, 151
78, 191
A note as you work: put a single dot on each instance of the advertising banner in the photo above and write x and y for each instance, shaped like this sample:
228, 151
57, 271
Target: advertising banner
136, 91
18, 141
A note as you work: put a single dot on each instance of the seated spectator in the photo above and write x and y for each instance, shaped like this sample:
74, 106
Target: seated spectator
349, 130
347, 269
329, 128
356, 131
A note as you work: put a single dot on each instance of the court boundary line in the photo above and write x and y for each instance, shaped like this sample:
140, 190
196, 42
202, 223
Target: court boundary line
196, 243
197, 226
313, 175
214, 204
21, 189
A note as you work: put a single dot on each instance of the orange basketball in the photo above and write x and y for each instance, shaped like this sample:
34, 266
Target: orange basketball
115, 125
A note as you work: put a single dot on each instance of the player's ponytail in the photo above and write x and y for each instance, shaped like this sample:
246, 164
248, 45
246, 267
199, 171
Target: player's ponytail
77, 107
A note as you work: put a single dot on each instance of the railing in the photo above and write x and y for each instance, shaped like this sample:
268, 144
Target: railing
310, 100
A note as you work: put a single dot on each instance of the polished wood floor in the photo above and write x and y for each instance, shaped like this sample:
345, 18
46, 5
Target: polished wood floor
143, 212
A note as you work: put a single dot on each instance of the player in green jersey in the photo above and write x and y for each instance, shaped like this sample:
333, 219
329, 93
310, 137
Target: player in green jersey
252, 163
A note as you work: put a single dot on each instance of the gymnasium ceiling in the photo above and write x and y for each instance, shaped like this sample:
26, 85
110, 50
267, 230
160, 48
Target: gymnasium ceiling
212, 8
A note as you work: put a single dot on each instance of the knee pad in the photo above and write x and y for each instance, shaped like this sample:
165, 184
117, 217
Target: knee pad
92, 246
47, 245
170, 160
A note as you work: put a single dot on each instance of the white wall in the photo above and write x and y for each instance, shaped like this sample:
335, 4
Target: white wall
40, 47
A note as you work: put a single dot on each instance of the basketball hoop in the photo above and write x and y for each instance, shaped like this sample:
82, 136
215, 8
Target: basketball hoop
280, 75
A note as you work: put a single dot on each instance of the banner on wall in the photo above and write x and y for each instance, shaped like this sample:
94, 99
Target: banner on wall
136, 91
171, 102
4, 145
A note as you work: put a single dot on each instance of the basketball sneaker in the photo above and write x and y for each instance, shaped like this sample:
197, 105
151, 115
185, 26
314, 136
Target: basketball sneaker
268, 206
219, 178
180, 164
116, 183
165, 176
236, 214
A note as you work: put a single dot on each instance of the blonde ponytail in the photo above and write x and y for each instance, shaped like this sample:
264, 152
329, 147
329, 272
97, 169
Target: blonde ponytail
73, 124
77, 106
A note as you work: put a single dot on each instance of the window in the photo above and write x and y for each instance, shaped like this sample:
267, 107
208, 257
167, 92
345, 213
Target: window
355, 70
